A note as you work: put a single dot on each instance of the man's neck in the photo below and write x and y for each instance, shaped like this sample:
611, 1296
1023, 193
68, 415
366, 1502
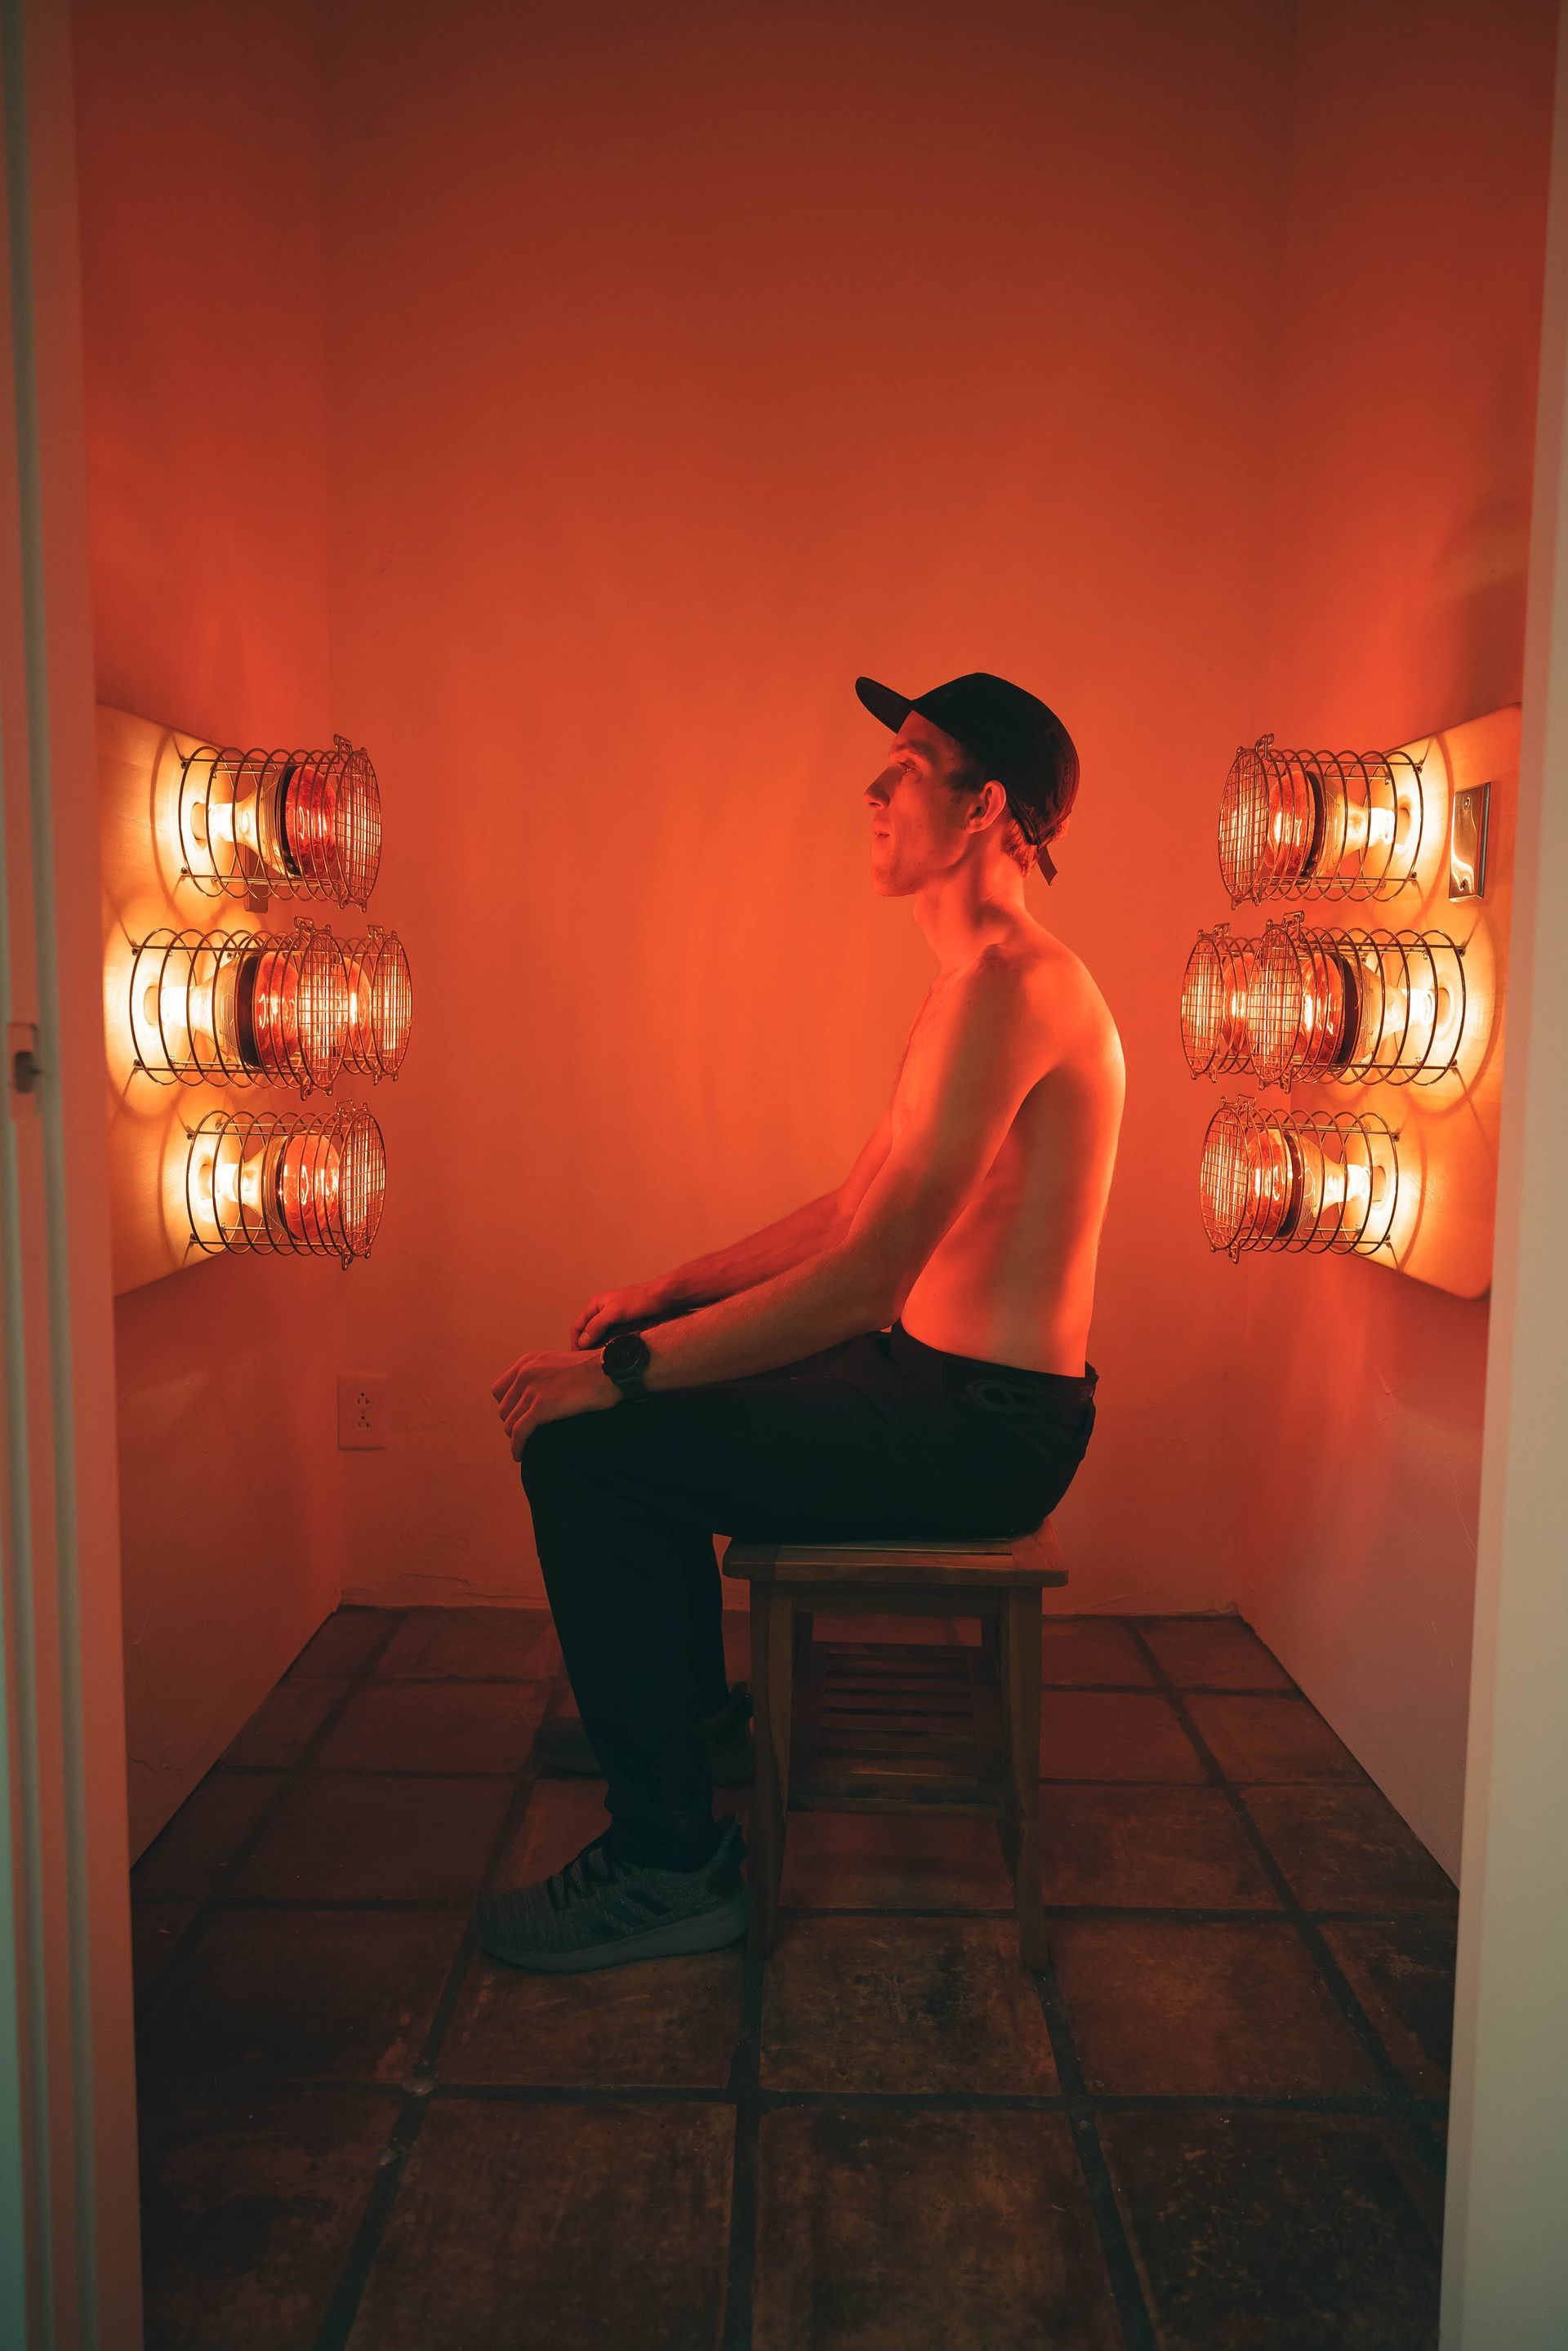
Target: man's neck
967, 911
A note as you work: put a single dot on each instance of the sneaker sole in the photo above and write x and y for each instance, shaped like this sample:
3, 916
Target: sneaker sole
710, 1930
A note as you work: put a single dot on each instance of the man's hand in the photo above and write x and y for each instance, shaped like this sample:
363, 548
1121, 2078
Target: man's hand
549, 1387
644, 1302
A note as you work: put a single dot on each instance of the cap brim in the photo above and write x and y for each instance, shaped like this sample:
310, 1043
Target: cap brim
891, 708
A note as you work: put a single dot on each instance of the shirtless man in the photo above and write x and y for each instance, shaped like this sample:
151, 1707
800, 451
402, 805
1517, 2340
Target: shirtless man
778, 1402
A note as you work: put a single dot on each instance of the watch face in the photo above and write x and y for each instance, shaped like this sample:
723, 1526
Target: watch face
626, 1355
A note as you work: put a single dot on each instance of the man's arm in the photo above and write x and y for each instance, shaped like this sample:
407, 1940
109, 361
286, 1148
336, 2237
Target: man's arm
979, 1051
805, 1233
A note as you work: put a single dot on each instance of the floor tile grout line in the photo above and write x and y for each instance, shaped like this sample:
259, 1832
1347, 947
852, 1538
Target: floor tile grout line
417, 2089
743, 2092
1330, 1974
386, 1770
1115, 2241
1358, 1778
1121, 2272
1367, 2106
1176, 1914
291, 1776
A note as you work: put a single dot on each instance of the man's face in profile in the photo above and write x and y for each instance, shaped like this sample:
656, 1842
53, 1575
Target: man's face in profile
917, 830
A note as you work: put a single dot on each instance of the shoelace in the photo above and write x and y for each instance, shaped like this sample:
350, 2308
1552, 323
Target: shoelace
594, 1867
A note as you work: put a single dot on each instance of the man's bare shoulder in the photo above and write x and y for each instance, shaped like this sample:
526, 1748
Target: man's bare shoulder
1042, 977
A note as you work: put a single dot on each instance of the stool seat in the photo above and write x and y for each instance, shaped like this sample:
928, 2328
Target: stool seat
1004, 1562
879, 1729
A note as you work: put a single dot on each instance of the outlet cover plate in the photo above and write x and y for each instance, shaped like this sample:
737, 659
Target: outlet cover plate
1468, 842
361, 1412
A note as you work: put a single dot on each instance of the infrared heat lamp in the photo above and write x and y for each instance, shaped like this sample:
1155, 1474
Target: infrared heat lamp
1268, 1180
240, 1008
1216, 1003
1320, 824
381, 1003
267, 1185
299, 823
1358, 1006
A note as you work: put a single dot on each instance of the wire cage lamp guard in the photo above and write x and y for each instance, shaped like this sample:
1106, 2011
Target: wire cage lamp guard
265, 1184
1215, 1001
381, 1004
299, 823
240, 1007
1348, 1007
1271, 1180
1320, 824
1300, 1007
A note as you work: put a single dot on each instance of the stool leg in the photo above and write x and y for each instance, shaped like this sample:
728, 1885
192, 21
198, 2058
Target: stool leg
772, 1661
1020, 1673
996, 1648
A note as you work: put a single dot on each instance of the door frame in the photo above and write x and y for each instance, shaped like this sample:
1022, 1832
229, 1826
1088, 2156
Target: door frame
1505, 2255
69, 2266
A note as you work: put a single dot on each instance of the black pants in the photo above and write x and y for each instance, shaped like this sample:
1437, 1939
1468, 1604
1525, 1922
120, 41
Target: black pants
881, 1435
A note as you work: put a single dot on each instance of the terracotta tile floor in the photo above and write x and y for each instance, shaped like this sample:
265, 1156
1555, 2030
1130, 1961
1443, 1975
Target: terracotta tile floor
1215, 2123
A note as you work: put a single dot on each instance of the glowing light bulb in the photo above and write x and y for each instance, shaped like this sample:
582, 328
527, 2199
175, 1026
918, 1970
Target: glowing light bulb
1347, 1187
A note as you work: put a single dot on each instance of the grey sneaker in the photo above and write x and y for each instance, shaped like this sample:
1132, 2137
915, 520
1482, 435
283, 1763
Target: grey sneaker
598, 1912
564, 1745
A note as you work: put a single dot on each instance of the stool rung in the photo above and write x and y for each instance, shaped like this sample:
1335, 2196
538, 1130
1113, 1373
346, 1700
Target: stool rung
842, 1792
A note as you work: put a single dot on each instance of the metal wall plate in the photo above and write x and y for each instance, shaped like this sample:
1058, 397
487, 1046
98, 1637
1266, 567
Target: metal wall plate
1468, 842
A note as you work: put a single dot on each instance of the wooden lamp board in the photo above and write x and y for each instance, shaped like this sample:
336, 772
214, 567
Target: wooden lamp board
1448, 1130
139, 766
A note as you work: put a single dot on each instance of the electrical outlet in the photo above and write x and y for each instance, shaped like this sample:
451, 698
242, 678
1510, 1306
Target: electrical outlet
361, 1412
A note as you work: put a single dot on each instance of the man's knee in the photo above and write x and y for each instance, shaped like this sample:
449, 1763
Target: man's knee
564, 1448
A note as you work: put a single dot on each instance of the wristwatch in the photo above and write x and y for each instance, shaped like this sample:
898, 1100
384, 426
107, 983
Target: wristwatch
625, 1358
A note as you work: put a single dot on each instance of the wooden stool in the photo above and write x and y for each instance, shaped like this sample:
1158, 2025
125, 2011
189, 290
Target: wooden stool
920, 1729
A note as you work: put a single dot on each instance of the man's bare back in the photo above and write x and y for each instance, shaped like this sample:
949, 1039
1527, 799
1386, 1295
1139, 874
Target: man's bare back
1011, 1281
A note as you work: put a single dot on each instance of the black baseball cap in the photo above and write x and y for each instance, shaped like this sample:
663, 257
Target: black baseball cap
1017, 740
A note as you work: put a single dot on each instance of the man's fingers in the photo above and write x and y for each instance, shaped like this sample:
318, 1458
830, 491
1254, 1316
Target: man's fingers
513, 1387
591, 1321
521, 1433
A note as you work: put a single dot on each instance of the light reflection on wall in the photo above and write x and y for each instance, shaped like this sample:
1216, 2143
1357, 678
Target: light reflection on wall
1316, 1011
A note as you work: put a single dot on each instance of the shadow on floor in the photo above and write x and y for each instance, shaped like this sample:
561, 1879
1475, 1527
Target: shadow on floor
1215, 2123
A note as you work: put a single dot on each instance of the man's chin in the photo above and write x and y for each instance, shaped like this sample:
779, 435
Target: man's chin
889, 884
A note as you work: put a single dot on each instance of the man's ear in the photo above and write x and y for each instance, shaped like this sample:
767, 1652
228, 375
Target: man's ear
990, 806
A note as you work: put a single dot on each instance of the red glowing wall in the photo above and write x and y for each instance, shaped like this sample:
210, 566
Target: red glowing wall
199, 148
1408, 337
680, 368
569, 405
